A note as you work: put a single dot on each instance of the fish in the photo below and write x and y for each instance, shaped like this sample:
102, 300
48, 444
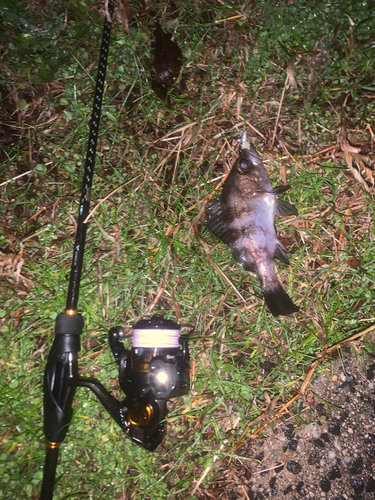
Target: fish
243, 217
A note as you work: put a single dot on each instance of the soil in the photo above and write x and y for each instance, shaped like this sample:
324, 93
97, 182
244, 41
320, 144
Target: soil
327, 450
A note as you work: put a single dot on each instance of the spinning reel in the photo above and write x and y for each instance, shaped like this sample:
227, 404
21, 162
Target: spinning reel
153, 371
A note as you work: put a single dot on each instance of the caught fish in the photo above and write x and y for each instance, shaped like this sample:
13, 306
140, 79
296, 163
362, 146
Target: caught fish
243, 217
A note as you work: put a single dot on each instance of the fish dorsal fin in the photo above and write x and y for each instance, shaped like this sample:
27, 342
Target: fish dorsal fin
284, 209
279, 190
215, 222
281, 253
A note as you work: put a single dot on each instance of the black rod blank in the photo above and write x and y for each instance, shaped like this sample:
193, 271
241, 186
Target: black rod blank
50, 464
79, 245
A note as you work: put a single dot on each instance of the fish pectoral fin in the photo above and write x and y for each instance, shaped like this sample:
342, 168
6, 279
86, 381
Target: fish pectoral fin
281, 253
279, 189
215, 222
284, 208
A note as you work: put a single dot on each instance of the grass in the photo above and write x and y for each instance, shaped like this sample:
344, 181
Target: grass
166, 160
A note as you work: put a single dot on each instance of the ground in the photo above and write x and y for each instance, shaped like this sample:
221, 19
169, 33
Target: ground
298, 76
325, 449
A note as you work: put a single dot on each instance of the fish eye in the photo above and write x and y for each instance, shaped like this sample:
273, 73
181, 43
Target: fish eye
244, 164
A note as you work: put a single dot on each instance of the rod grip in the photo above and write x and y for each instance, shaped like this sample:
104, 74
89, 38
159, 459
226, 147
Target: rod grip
61, 366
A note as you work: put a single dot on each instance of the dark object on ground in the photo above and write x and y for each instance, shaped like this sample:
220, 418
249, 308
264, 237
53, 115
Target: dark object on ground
293, 467
167, 62
243, 217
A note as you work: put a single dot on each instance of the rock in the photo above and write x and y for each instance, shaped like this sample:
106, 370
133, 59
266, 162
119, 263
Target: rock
279, 468
319, 443
291, 445
325, 485
293, 467
314, 457
320, 408
357, 485
300, 489
334, 473
272, 482
331, 455
357, 466
370, 488
344, 416
325, 437
255, 495
288, 431
370, 372
337, 444
288, 489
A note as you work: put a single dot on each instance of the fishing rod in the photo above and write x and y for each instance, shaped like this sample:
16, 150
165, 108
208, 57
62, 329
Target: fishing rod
153, 371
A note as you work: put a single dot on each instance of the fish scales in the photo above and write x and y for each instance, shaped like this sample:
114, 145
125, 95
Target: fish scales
243, 217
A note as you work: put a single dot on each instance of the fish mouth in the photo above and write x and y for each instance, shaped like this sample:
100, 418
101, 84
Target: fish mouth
247, 150
244, 144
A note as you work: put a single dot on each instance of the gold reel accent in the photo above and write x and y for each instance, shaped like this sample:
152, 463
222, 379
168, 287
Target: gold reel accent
51, 445
140, 415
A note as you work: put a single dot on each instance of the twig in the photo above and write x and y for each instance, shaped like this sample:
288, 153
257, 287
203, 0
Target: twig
175, 167
217, 310
244, 491
324, 150
252, 127
184, 127
14, 178
108, 196
279, 110
43, 209
347, 213
205, 472
91, 354
104, 233
310, 157
6, 435
209, 196
162, 287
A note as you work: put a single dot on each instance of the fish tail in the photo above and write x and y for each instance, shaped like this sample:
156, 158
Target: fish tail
278, 301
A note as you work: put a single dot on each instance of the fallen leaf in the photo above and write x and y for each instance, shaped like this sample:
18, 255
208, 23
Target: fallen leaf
353, 262
167, 62
310, 400
358, 164
11, 264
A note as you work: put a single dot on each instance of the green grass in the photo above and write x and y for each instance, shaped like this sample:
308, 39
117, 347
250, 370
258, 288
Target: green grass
242, 356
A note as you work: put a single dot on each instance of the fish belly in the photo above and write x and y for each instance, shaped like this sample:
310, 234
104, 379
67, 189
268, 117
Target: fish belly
253, 235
